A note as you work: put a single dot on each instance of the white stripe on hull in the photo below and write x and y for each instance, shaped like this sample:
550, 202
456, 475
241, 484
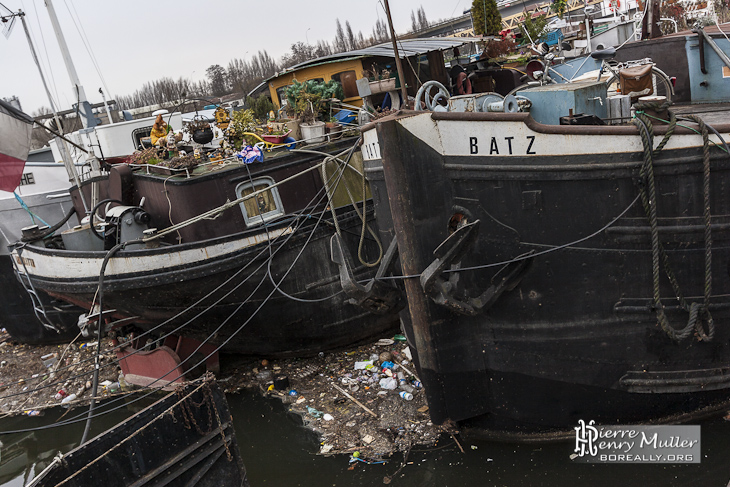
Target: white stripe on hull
500, 138
64, 265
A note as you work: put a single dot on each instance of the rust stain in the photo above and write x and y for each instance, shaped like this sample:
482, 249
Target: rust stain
25, 260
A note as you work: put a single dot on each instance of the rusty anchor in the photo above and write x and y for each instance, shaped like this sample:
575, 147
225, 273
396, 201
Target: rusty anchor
375, 296
448, 256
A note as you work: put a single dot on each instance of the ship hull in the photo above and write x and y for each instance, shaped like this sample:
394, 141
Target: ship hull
221, 290
570, 330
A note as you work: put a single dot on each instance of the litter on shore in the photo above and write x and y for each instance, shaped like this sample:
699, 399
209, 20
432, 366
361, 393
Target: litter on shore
366, 402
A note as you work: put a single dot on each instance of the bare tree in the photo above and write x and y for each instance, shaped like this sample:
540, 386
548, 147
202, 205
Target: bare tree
418, 20
243, 75
351, 43
380, 32
267, 66
161, 91
422, 21
323, 48
300, 52
217, 76
340, 42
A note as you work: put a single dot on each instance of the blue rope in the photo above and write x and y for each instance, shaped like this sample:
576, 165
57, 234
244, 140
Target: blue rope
25, 207
355, 459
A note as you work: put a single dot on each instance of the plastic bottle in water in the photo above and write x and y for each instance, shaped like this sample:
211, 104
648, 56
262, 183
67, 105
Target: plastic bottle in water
406, 395
68, 398
388, 383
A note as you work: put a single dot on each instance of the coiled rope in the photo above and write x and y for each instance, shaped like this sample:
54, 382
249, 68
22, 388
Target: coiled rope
363, 216
697, 313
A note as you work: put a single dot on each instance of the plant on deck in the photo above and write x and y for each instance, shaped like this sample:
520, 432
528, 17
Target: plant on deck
310, 100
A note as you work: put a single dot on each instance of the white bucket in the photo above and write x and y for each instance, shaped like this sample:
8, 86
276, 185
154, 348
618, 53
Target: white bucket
312, 133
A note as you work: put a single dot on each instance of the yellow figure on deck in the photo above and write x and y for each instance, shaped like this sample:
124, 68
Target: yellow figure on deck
159, 131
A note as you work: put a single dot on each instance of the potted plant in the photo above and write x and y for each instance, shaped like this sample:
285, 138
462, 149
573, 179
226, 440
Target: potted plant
149, 156
333, 128
381, 81
242, 123
309, 102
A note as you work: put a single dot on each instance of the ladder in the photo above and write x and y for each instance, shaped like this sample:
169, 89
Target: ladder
39, 309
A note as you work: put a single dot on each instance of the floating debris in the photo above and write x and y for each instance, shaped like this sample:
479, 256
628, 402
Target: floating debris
35, 378
339, 396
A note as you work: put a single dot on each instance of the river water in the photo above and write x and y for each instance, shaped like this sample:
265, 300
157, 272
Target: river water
279, 451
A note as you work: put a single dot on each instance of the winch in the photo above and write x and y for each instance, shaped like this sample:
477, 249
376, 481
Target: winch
123, 224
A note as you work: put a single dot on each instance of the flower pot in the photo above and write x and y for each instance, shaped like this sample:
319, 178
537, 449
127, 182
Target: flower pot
312, 133
381, 86
334, 130
275, 139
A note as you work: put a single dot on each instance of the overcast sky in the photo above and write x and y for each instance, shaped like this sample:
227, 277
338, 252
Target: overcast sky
137, 41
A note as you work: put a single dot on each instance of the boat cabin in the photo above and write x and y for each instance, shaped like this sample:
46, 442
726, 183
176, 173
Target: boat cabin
423, 59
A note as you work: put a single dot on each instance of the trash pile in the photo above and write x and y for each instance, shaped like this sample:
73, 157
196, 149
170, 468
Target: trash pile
24, 368
366, 402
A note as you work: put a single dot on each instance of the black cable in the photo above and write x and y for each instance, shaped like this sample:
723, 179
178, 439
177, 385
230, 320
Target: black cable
52, 229
92, 225
95, 381
714, 131
312, 204
76, 418
528, 256
268, 267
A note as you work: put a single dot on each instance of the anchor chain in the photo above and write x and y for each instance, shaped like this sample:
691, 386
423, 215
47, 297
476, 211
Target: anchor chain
189, 418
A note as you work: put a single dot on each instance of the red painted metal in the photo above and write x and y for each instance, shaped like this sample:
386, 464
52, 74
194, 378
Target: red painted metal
167, 364
155, 368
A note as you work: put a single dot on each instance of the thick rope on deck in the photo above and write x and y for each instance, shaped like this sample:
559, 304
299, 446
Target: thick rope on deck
697, 312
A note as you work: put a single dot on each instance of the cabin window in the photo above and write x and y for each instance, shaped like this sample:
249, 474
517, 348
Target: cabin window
139, 134
348, 80
262, 207
281, 93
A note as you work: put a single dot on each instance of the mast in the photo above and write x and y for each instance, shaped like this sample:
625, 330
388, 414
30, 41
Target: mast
21, 14
60, 142
106, 107
398, 64
87, 116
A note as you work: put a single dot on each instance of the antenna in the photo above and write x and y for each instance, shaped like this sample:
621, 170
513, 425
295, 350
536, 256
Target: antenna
8, 18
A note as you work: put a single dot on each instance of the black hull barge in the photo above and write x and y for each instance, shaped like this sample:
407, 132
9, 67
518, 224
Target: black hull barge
185, 438
254, 278
533, 263
257, 318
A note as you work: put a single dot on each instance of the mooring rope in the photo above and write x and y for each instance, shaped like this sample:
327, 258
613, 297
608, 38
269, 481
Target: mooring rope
697, 312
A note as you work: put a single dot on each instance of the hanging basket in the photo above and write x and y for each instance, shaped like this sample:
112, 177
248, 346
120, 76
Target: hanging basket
203, 136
